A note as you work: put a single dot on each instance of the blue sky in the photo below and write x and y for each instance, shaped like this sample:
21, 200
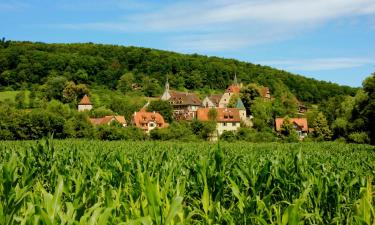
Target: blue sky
331, 40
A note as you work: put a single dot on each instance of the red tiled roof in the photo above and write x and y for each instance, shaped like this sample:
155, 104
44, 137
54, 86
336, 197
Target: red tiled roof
107, 119
85, 101
184, 98
223, 114
233, 89
142, 118
301, 122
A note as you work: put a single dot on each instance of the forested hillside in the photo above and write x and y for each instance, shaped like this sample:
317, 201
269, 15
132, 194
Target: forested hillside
26, 63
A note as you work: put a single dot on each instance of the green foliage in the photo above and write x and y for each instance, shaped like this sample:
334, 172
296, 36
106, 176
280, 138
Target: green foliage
54, 87
105, 64
72, 92
204, 129
367, 107
101, 112
151, 87
212, 114
176, 131
79, 127
228, 136
163, 107
67, 182
321, 129
21, 100
359, 138
248, 95
288, 132
113, 132
125, 82
262, 112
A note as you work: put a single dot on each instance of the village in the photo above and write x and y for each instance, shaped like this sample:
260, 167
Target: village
188, 107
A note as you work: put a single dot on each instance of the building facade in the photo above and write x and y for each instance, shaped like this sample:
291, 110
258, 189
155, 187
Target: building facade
84, 104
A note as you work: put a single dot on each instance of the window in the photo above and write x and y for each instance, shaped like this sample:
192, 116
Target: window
233, 124
224, 124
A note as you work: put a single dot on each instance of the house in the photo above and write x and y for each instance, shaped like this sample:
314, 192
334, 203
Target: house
84, 104
211, 101
299, 124
184, 104
107, 120
265, 93
148, 121
227, 119
229, 92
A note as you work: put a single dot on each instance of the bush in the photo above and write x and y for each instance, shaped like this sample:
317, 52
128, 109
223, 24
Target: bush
251, 135
176, 131
228, 136
359, 138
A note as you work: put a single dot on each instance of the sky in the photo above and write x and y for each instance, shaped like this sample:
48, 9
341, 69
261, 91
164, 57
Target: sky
332, 40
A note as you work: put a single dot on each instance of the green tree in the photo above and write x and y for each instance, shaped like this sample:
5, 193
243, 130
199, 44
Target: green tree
212, 114
55, 106
288, 131
162, 107
21, 100
73, 92
262, 114
367, 107
125, 82
248, 95
81, 76
233, 100
151, 87
321, 129
54, 87
101, 112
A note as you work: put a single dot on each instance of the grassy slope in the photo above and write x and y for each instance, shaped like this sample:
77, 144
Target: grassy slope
11, 95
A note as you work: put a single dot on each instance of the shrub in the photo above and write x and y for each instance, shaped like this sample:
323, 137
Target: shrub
359, 138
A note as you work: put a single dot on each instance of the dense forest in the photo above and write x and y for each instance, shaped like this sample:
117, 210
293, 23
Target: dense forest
26, 63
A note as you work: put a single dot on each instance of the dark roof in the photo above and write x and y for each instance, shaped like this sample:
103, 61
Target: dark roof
184, 98
215, 99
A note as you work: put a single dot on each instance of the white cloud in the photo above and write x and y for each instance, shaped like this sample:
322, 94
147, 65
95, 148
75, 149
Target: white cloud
319, 64
225, 24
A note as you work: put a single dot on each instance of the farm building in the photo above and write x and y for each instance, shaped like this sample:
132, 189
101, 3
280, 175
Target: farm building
299, 124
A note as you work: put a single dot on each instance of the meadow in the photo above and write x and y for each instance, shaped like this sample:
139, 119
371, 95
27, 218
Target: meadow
97, 182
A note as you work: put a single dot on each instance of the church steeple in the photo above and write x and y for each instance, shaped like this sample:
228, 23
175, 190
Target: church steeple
166, 96
167, 85
235, 82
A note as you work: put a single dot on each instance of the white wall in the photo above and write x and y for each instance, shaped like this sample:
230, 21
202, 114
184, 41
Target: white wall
221, 127
84, 107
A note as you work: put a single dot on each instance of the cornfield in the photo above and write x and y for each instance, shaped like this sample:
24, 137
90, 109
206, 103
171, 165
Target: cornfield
92, 182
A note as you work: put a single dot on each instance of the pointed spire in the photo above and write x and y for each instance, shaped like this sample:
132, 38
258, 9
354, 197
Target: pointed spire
235, 79
167, 85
